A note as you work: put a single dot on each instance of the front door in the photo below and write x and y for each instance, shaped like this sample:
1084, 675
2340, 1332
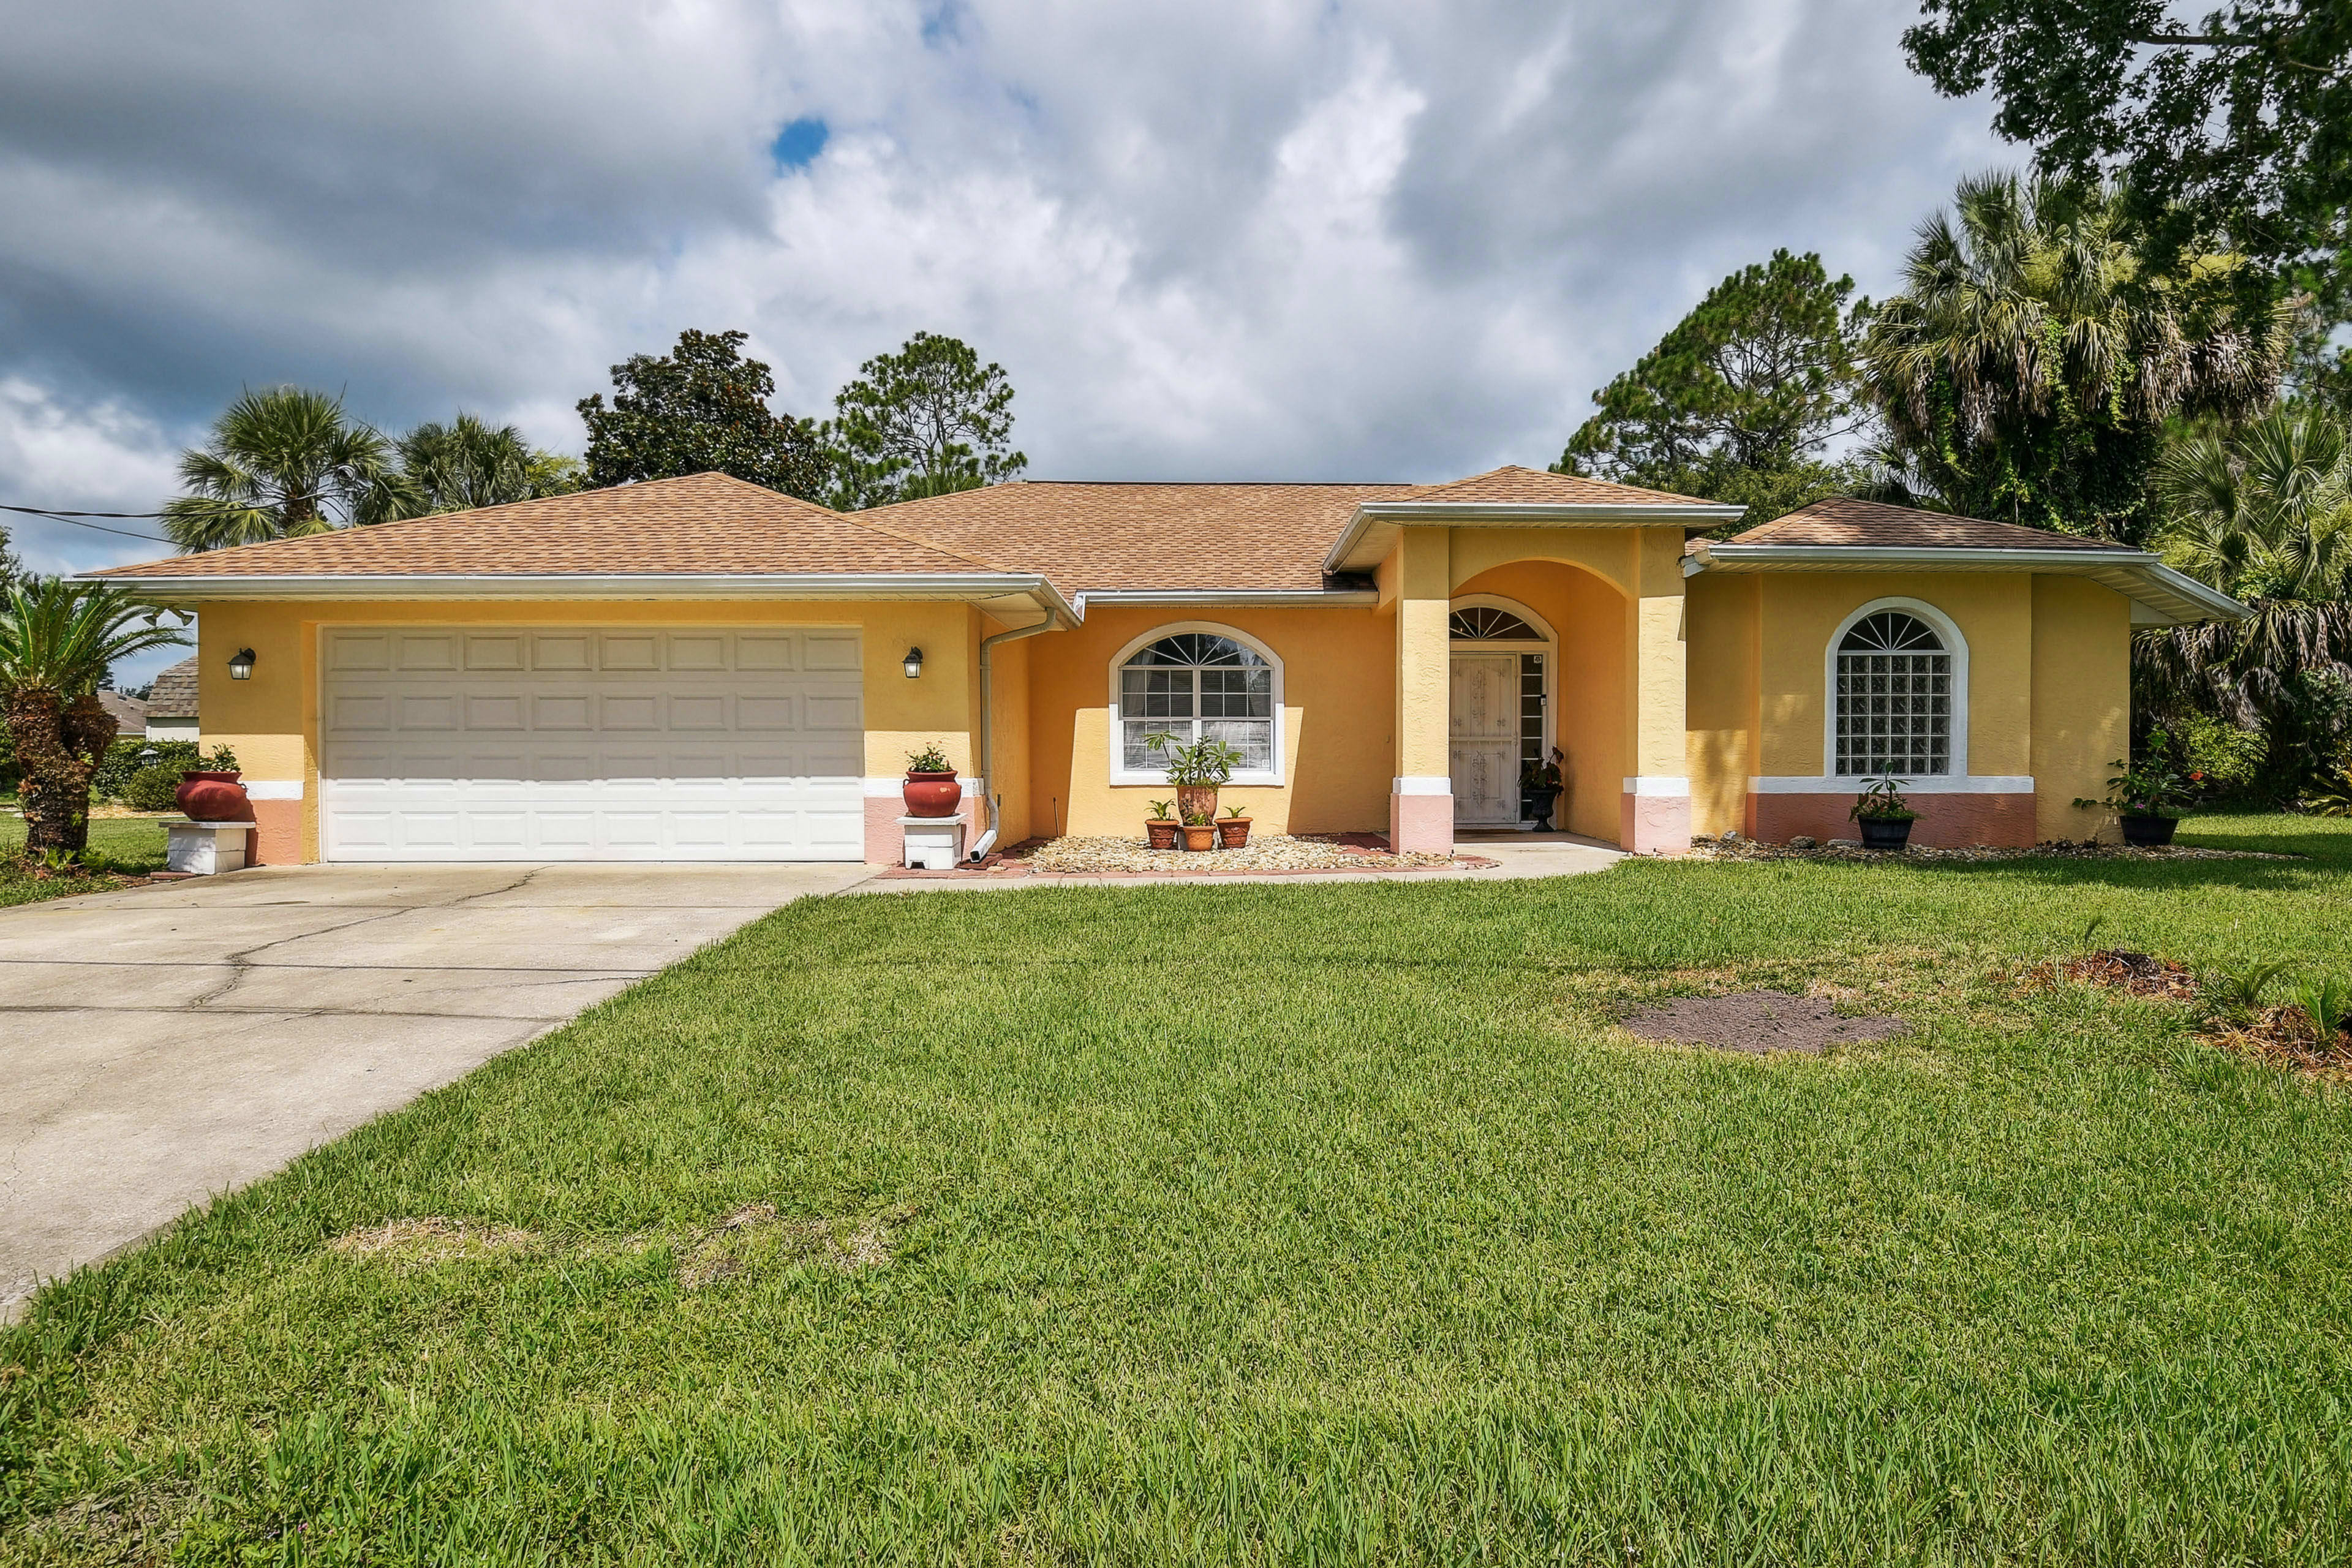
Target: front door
1484, 735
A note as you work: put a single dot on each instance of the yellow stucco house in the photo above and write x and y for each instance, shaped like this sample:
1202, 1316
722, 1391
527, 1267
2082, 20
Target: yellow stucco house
698, 668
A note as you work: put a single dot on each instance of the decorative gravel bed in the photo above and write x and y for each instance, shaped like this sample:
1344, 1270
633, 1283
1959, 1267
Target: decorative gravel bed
1265, 852
1739, 846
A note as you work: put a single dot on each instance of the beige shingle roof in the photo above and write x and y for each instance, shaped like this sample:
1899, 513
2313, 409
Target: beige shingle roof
1092, 537
1536, 486
1839, 521
701, 523
173, 695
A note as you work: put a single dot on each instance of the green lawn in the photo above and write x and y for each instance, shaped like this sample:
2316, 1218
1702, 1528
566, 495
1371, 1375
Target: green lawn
1285, 1224
132, 845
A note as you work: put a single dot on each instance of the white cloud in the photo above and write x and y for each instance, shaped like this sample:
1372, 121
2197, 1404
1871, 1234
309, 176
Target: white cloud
1266, 237
100, 457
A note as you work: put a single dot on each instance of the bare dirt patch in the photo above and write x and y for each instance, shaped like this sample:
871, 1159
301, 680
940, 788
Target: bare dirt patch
1758, 1023
756, 1238
434, 1238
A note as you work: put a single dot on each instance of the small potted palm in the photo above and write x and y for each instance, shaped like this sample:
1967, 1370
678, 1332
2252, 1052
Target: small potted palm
2148, 797
1160, 827
1199, 830
1883, 816
1232, 828
1196, 771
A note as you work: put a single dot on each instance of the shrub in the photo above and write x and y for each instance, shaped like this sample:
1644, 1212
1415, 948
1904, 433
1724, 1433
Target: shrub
152, 788
133, 754
2230, 758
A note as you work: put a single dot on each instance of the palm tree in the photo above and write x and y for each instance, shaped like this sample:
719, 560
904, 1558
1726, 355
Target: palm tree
466, 464
56, 640
2266, 516
2039, 343
285, 461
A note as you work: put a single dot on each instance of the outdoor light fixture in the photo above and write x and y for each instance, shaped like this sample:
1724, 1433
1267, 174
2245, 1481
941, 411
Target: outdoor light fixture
914, 663
240, 665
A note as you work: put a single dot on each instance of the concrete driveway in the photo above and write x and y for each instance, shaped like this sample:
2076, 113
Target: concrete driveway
167, 1044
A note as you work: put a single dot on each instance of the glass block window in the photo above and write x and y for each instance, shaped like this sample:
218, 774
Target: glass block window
1531, 721
1894, 699
1195, 684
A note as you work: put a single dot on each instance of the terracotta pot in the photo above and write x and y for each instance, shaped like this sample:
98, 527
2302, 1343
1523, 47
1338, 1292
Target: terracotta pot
1885, 832
1195, 800
1200, 835
206, 796
1232, 832
1162, 832
2145, 831
931, 794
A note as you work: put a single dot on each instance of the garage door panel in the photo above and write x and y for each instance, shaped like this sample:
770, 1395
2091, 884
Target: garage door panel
592, 743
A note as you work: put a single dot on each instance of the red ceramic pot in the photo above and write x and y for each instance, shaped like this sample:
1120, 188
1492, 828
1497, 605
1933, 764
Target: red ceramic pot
212, 797
932, 794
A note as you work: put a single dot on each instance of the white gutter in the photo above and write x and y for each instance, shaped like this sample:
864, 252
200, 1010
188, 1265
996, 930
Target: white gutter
987, 841
1526, 514
1267, 597
2137, 574
195, 588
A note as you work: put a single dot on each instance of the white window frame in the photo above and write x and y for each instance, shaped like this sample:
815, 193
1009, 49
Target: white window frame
1115, 742
1955, 645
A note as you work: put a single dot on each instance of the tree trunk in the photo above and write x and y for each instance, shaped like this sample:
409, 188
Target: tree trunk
58, 746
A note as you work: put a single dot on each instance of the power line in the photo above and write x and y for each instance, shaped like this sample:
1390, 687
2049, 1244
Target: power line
74, 519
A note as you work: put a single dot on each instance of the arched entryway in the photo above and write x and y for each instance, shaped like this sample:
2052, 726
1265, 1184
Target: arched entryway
1500, 677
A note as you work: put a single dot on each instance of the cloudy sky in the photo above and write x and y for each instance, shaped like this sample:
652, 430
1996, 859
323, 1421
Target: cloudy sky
1222, 238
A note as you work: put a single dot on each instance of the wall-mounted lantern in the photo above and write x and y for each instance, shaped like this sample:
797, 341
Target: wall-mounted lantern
914, 663
240, 664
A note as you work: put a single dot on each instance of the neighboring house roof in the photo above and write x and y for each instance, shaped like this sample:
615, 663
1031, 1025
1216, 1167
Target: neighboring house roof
1840, 522
1514, 486
130, 712
1842, 535
173, 695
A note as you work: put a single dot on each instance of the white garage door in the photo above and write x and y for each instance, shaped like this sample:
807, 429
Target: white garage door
590, 743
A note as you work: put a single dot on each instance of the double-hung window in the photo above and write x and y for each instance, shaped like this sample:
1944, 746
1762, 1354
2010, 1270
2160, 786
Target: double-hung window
1193, 684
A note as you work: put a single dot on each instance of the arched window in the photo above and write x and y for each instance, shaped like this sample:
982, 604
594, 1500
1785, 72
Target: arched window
1195, 684
1895, 698
1486, 623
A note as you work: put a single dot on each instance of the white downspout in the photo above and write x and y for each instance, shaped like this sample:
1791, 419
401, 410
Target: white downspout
987, 841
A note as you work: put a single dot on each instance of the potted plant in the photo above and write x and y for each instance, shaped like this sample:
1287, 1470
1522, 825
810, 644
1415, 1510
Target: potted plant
1232, 828
1196, 771
1199, 830
930, 789
2146, 798
1539, 787
1161, 825
1885, 817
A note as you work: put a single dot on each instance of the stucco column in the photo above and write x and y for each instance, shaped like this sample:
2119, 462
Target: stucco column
1653, 813
1420, 796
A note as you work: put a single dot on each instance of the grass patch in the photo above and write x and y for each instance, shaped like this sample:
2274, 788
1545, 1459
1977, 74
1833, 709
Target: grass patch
1274, 1224
120, 848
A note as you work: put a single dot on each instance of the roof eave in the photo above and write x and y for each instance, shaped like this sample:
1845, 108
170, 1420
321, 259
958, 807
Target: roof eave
2170, 597
1369, 515
206, 588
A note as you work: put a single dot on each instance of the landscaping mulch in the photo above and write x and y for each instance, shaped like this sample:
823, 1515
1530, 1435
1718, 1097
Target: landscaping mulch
1265, 854
1739, 846
2285, 1036
1758, 1023
2140, 973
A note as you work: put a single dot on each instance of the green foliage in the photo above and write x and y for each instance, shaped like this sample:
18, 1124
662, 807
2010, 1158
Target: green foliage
2153, 784
10, 567
1736, 402
152, 788
931, 759
1206, 763
1236, 812
2240, 125
2333, 799
282, 462
2327, 1000
131, 753
928, 420
1882, 800
1163, 811
466, 464
2220, 758
2028, 368
700, 408
2263, 511
2238, 990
